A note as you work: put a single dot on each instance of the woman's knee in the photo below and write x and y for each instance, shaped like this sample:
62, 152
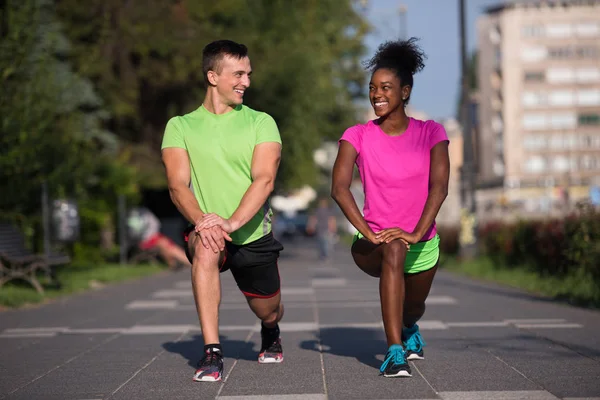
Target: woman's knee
414, 308
394, 254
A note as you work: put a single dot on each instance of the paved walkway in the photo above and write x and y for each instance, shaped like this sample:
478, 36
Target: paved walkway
141, 340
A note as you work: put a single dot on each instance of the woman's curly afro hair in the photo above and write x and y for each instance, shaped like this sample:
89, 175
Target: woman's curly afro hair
404, 57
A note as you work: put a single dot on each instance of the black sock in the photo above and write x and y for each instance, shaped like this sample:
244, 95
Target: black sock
212, 347
271, 332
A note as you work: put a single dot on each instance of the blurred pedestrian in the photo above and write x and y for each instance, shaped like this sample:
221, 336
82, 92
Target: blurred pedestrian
323, 225
221, 162
144, 228
404, 167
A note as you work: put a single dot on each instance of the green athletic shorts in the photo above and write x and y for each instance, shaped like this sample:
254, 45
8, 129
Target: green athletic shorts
420, 257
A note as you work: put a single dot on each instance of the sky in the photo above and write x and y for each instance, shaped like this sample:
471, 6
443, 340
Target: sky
436, 24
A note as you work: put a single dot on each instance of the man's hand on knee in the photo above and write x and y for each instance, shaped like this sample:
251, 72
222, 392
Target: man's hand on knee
214, 238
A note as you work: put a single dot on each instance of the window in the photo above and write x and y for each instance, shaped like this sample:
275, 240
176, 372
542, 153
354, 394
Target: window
589, 97
497, 124
563, 120
557, 142
560, 75
535, 164
559, 30
589, 119
588, 74
534, 76
587, 29
495, 36
560, 164
534, 121
534, 54
533, 99
535, 142
532, 31
561, 98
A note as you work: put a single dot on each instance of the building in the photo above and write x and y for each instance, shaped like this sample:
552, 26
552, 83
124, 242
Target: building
538, 71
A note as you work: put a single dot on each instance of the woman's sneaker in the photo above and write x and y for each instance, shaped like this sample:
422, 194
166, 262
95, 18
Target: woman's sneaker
210, 367
413, 343
395, 365
271, 351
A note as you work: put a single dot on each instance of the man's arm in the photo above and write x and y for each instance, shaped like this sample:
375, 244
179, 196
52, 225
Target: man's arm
177, 165
265, 162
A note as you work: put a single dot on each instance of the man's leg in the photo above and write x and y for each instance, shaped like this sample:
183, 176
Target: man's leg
269, 311
206, 285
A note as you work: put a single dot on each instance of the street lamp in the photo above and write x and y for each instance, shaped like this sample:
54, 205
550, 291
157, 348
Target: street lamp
469, 222
402, 13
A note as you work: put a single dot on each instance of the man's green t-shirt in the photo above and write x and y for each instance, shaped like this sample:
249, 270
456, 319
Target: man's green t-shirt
220, 148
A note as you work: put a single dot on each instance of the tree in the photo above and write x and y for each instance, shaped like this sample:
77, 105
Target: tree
145, 60
50, 118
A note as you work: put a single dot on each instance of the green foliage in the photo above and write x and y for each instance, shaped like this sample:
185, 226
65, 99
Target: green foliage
557, 247
51, 124
146, 61
74, 278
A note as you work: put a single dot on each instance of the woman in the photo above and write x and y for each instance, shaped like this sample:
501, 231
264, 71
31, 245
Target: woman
404, 168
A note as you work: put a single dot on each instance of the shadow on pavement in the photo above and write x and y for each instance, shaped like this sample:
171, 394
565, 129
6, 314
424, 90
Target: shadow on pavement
192, 349
362, 344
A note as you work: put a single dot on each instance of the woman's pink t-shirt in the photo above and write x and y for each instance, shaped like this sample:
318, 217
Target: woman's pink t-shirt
395, 172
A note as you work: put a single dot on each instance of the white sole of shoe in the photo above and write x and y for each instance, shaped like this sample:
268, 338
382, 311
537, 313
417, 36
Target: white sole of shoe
206, 379
415, 356
269, 360
401, 374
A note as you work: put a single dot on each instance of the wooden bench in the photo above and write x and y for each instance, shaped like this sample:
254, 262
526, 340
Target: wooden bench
18, 262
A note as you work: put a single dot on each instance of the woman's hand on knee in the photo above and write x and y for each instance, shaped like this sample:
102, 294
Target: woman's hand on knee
390, 234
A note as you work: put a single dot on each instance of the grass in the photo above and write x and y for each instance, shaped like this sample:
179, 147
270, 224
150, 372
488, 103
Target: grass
575, 289
73, 279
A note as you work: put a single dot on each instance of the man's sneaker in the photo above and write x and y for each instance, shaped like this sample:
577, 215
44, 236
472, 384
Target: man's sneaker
271, 351
210, 368
395, 365
413, 343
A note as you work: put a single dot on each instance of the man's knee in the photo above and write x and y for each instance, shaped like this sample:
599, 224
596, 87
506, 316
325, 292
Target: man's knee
203, 257
274, 316
268, 311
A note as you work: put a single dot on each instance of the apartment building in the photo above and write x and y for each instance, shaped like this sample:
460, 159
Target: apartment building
539, 99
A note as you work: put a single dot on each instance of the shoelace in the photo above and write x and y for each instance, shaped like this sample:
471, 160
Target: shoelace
415, 342
210, 359
395, 355
274, 347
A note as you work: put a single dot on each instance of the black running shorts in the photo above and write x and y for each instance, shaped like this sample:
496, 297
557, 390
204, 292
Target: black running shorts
253, 265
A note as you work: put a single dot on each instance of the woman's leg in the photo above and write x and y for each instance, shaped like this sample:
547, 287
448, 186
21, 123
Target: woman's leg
385, 261
391, 290
417, 288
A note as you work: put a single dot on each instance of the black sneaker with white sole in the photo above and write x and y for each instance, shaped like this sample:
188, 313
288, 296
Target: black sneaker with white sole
210, 367
271, 351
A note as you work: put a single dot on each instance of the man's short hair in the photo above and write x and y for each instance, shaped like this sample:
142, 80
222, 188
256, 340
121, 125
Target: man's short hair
213, 53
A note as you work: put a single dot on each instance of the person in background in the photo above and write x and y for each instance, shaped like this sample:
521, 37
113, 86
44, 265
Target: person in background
144, 228
322, 224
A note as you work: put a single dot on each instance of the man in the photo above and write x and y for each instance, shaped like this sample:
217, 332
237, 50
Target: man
221, 162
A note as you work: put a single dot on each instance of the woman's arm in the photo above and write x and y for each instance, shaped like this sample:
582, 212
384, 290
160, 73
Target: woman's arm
340, 189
